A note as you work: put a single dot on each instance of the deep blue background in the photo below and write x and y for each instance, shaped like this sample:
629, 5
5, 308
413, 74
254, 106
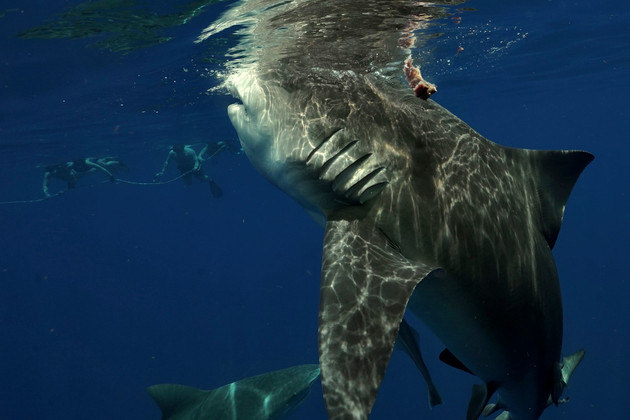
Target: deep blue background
114, 287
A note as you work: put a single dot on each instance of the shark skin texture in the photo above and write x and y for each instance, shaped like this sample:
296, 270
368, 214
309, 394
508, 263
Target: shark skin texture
271, 395
419, 209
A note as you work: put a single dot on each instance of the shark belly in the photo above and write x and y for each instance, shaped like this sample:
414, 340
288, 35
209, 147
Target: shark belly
316, 160
511, 340
272, 145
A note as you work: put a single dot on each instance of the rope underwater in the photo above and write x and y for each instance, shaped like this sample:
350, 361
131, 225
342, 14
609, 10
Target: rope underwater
37, 200
124, 181
220, 149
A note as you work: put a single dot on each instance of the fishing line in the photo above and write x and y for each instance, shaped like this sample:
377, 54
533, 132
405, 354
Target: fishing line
37, 200
62, 192
124, 181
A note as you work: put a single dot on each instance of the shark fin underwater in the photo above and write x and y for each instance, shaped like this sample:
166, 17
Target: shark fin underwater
420, 211
270, 395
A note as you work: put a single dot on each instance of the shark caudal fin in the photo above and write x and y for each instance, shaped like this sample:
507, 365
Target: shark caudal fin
559, 171
366, 284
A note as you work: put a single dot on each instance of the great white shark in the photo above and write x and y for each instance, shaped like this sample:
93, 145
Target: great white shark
420, 210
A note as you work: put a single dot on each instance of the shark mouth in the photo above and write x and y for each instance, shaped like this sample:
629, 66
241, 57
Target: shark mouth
238, 103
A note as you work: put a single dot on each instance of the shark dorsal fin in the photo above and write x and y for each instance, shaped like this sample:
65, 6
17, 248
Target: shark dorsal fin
559, 170
569, 363
171, 397
562, 374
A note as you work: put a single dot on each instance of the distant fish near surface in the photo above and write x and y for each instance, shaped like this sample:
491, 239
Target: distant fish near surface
420, 210
268, 396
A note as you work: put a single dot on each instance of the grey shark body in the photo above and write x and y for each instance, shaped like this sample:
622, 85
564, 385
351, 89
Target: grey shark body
268, 396
415, 202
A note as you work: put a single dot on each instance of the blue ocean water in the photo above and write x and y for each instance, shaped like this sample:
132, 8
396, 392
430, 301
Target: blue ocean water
113, 287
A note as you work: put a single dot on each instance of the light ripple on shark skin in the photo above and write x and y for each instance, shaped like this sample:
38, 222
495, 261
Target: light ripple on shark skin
270, 395
457, 226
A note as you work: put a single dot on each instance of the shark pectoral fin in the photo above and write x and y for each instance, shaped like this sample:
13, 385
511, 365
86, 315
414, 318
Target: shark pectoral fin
449, 358
559, 170
408, 341
172, 398
563, 372
481, 394
365, 288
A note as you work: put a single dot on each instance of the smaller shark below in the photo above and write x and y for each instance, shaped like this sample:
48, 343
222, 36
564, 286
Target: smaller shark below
268, 396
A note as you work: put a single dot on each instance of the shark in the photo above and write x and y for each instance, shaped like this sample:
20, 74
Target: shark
421, 212
271, 395
408, 341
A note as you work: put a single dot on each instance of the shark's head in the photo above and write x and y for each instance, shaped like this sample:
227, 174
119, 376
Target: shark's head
296, 388
271, 395
280, 132
268, 133
251, 117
